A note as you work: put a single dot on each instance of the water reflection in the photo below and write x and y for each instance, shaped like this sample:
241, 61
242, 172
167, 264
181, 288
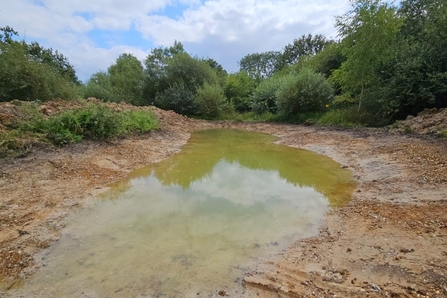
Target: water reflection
193, 223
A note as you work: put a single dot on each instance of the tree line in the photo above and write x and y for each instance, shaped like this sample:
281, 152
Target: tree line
389, 62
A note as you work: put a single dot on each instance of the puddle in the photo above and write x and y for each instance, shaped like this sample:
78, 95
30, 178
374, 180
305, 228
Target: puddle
192, 224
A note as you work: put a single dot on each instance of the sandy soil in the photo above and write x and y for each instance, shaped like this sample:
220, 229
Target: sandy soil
390, 241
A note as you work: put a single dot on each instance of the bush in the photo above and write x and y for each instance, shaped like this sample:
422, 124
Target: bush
138, 121
264, 96
177, 98
307, 92
93, 122
99, 86
210, 100
238, 90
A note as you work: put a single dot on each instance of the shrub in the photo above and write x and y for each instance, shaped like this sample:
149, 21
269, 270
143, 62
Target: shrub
306, 92
210, 100
264, 96
138, 121
91, 122
177, 98
238, 89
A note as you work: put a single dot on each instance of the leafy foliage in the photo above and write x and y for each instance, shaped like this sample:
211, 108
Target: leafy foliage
238, 90
368, 30
261, 65
305, 92
210, 100
123, 81
178, 98
126, 79
264, 96
99, 86
304, 46
31, 72
95, 122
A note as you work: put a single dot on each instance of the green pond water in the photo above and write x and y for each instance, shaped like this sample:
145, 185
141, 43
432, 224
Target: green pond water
192, 224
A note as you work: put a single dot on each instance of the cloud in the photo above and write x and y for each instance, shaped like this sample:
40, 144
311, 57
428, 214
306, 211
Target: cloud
225, 30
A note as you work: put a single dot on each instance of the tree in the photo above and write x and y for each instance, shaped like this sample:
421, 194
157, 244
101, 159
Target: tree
172, 78
126, 78
54, 59
155, 70
261, 65
368, 31
99, 86
304, 46
416, 76
24, 76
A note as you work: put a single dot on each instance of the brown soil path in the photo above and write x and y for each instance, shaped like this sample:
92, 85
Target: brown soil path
390, 241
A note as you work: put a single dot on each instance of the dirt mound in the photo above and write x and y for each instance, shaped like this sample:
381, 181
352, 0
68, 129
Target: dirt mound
427, 122
15, 112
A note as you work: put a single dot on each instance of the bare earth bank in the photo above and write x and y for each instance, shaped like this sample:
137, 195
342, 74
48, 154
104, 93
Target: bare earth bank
390, 241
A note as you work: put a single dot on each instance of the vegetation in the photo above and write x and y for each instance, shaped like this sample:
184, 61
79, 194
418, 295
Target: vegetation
87, 121
389, 62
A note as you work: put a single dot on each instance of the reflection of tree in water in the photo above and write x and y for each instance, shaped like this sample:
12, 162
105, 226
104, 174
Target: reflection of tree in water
257, 152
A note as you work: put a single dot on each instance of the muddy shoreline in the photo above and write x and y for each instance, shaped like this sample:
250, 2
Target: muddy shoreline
390, 241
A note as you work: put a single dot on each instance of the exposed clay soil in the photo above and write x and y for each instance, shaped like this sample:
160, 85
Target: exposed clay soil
389, 241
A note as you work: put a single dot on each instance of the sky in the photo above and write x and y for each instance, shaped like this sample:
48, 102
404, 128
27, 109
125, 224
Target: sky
93, 33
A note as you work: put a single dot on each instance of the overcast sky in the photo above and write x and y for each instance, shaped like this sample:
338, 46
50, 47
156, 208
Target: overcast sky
93, 33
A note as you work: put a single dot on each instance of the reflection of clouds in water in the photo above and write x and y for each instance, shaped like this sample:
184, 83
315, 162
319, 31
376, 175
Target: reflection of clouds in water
168, 234
233, 184
247, 187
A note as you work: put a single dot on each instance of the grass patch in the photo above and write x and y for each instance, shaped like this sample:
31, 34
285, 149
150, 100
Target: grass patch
342, 117
248, 117
442, 134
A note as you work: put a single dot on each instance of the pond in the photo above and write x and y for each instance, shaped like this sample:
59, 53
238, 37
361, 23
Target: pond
194, 223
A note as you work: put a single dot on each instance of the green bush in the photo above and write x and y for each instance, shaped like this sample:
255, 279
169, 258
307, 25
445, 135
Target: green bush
93, 122
210, 100
99, 86
264, 96
177, 98
238, 90
138, 121
306, 92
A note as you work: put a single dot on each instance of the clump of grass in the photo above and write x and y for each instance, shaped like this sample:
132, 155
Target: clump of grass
249, 117
342, 117
442, 134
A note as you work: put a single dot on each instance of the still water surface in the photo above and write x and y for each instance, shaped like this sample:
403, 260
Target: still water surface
194, 223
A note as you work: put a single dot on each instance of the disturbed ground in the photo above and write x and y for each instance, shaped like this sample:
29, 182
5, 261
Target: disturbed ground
389, 241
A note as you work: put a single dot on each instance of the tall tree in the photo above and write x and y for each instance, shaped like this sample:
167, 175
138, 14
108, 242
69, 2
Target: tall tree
127, 79
368, 31
29, 71
155, 69
306, 45
261, 65
416, 77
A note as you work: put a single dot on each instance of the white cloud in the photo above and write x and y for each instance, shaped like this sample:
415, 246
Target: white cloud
225, 30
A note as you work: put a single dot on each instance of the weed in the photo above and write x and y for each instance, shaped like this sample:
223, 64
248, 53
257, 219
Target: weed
442, 133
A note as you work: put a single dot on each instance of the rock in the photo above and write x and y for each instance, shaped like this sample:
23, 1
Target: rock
376, 288
222, 293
